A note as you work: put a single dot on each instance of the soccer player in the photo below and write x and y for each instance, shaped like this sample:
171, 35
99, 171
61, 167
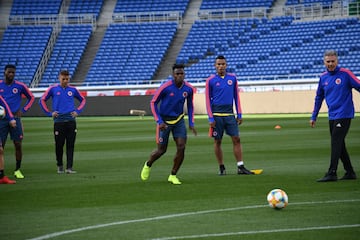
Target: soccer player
335, 86
167, 106
12, 91
221, 92
64, 113
9, 120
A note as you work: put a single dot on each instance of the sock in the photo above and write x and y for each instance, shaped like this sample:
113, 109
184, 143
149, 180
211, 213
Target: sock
240, 164
222, 167
1, 173
18, 165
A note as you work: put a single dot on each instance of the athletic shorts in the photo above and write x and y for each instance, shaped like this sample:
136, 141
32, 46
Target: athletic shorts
227, 124
178, 130
16, 134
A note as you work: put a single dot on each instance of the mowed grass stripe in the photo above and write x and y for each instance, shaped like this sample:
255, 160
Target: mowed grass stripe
110, 152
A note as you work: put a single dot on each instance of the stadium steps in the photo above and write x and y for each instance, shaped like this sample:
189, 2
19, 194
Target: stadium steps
94, 42
170, 58
89, 55
5, 7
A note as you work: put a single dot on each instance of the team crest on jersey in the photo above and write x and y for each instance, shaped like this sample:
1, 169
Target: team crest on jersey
214, 133
230, 82
185, 94
15, 90
69, 93
338, 81
171, 94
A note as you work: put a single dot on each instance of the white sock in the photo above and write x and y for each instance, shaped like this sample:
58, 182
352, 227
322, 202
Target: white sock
240, 163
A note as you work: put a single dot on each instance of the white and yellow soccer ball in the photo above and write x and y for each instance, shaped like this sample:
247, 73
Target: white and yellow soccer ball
277, 199
2, 112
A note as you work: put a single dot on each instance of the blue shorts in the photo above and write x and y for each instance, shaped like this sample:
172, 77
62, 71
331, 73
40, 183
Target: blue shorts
178, 130
16, 134
227, 124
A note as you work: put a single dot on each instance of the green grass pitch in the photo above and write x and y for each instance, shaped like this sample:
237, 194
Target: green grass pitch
106, 199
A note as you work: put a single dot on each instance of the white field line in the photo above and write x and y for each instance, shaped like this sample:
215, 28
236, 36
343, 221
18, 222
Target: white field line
56, 234
258, 232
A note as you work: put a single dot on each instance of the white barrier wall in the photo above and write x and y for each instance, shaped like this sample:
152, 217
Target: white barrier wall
275, 102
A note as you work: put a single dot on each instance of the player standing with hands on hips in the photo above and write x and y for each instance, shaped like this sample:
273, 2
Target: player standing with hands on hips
335, 86
167, 106
12, 91
221, 92
9, 120
64, 113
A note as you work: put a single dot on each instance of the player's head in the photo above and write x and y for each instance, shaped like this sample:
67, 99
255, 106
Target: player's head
220, 65
9, 72
178, 72
64, 78
330, 59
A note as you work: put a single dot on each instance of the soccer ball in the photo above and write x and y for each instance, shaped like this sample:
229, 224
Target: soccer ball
277, 199
2, 112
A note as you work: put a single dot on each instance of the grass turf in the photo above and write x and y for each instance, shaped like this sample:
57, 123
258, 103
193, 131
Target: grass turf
107, 199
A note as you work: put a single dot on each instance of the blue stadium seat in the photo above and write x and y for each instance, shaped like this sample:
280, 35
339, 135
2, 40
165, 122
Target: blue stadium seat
282, 44
151, 6
67, 52
35, 7
24, 46
135, 60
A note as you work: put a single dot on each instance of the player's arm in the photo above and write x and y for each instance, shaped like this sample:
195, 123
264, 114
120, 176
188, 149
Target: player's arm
30, 98
42, 102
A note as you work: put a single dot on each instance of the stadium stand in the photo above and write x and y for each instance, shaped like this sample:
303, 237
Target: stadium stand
151, 6
213, 4
264, 47
131, 52
86, 7
24, 46
35, 7
279, 46
67, 52
308, 2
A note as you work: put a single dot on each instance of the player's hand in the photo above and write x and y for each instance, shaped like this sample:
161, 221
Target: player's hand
55, 114
212, 124
74, 114
193, 130
12, 123
312, 123
239, 121
163, 126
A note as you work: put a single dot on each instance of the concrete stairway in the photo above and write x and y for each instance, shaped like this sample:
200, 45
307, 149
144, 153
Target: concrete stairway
170, 58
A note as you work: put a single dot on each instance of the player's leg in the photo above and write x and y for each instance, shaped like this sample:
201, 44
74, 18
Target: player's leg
338, 130
217, 134
232, 129
162, 139
3, 179
16, 134
70, 137
59, 135
345, 157
180, 136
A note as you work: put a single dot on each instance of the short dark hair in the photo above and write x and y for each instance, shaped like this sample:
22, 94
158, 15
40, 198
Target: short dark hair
175, 66
220, 57
9, 66
64, 72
